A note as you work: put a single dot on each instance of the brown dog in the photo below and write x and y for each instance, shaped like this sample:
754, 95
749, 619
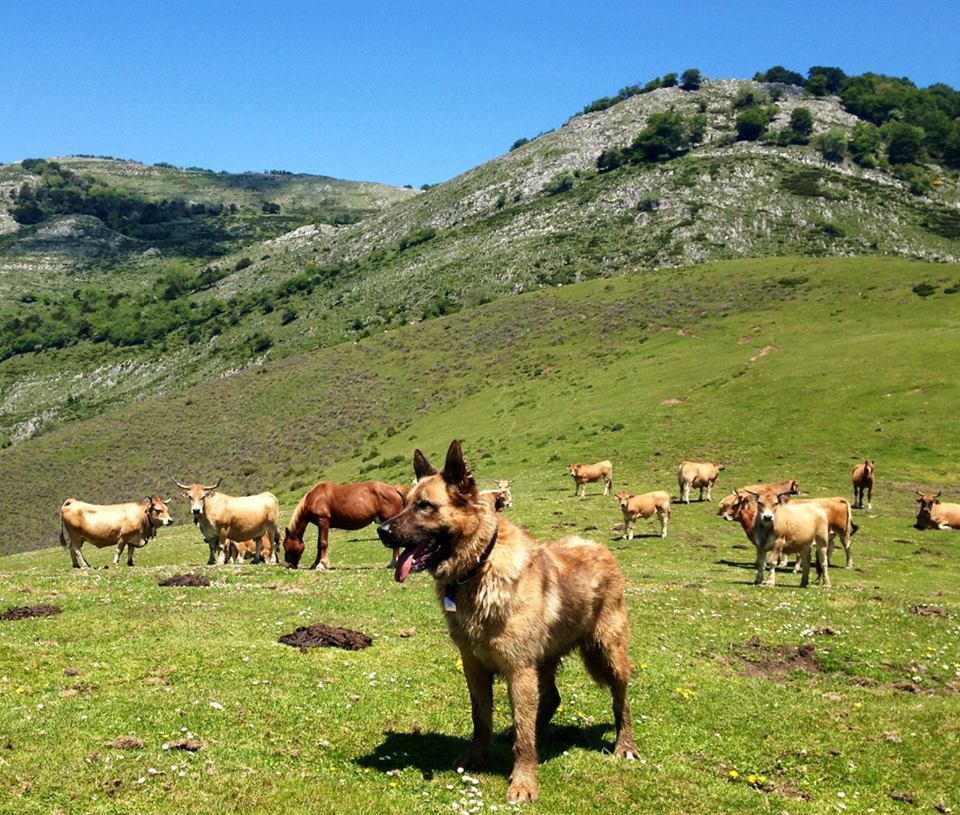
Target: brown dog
514, 606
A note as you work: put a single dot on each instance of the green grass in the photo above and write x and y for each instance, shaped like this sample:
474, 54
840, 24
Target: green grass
645, 370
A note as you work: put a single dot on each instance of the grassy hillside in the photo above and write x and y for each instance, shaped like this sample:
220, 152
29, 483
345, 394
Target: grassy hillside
745, 361
778, 367
503, 228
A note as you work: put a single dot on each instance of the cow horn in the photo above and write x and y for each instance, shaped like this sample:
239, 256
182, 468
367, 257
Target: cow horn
938, 494
215, 485
919, 493
182, 486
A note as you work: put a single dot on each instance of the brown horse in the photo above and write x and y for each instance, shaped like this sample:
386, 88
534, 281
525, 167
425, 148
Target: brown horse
342, 506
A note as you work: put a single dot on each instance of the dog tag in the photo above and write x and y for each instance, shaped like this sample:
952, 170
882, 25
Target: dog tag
449, 604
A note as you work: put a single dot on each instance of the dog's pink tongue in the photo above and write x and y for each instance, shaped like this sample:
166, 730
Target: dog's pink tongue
404, 564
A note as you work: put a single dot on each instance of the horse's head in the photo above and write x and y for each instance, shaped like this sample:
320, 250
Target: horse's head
292, 549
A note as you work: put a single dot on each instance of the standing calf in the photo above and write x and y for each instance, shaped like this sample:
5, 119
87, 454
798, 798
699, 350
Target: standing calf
791, 529
698, 475
643, 506
584, 473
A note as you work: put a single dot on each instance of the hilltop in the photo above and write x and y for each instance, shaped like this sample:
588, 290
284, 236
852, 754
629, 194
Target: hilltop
543, 214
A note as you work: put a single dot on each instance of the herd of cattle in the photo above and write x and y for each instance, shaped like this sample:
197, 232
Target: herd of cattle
775, 522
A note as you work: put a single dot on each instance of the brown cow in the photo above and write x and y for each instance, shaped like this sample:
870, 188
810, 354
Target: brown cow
697, 475
222, 517
933, 514
119, 525
643, 506
584, 473
791, 529
863, 480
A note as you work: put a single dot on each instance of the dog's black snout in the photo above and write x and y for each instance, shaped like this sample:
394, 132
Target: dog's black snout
385, 533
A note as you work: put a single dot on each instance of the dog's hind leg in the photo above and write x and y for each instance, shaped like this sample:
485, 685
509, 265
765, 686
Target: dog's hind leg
480, 684
608, 664
549, 695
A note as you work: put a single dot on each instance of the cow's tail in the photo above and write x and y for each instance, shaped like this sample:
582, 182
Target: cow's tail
850, 524
63, 538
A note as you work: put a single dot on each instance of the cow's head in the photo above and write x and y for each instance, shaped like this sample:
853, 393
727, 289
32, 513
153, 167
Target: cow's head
731, 506
195, 494
767, 504
158, 513
623, 498
574, 469
926, 503
868, 467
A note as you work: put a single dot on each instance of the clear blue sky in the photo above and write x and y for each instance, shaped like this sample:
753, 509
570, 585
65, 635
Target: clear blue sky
400, 92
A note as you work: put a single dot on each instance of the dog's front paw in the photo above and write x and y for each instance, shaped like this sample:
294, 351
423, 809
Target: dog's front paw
523, 791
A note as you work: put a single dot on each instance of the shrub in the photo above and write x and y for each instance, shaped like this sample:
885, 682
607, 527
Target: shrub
752, 123
560, 183
833, 144
665, 136
648, 202
905, 143
691, 80
669, 81
801, 121
242, 264
416, 237
610, 159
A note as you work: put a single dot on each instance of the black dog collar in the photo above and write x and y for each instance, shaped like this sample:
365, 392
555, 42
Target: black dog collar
449, 591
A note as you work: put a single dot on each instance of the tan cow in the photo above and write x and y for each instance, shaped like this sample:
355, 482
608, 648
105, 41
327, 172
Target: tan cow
863, 480
697, 475
239, 518
933, 514
587, 473
129, 525
840, 520
792, 529
643, 506
238, 551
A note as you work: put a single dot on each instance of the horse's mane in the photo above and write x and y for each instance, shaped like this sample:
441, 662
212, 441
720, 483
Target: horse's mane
297, 525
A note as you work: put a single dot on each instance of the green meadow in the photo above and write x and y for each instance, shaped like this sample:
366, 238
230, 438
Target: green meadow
745, 698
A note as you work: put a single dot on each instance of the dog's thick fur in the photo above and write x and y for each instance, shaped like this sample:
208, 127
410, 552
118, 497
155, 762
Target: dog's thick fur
521, 605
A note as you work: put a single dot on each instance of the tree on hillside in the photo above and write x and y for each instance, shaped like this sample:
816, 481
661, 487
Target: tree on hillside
801, 121
904, 143
780, 74
691, 79
751, 123
668, 81
818, 86
833, 77
665, 136
865, 142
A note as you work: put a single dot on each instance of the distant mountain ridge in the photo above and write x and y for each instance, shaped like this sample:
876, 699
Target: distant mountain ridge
542, 214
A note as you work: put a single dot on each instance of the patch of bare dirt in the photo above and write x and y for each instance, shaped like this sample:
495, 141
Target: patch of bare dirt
189, 579
23, 612
774, 661
126, 743
326, 636
190, 745
673, 400
928, 611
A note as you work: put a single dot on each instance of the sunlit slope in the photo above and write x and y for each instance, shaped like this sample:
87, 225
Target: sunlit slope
777, 367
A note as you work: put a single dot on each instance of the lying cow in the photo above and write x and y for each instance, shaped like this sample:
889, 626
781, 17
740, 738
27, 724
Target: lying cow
643, 506
863, 480
222, 517
933, 514
697, 475
238, 551
502, 496
790, 528
787, 487
129, 525
588, 473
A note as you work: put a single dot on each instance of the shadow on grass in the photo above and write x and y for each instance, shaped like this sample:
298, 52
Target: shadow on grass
436, 752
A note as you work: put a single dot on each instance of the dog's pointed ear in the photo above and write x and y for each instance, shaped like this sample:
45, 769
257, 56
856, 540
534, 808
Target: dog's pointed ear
456, 472
421, 467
